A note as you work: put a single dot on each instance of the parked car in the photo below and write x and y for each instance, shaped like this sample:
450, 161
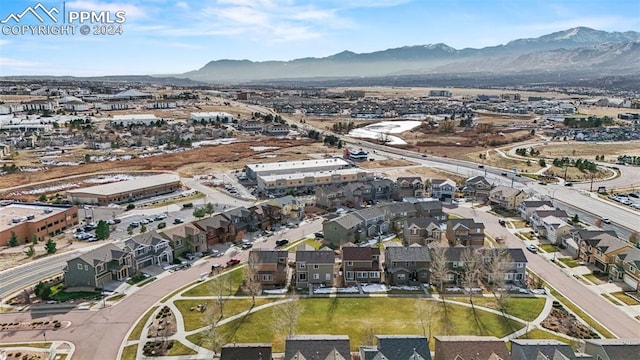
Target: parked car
502, 222
162, 225
605, 220
188, 256
282, 242
178, 221
160, 217
144, 221
117, 221
232, 262
134, 224
503, 174
246, 245
319, 235
568, 184
532, 248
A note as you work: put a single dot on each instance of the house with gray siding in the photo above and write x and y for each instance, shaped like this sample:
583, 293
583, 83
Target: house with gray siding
185, 238
422, 230
397, 347
407, 265
149, 249
314, 267
98, 266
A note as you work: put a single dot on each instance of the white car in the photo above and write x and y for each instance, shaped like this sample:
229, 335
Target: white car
605, 220
160, 217
635, 205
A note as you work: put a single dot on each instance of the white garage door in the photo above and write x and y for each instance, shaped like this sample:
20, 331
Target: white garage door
630, 281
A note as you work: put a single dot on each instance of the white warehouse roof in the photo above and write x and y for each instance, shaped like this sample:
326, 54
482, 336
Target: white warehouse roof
127, 186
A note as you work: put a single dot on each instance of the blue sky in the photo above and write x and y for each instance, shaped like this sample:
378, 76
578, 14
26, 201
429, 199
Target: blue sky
165, 37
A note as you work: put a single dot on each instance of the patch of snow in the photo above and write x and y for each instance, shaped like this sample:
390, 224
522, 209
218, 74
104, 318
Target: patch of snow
263, 148
275, 291
405, 288
333, 290
374, 288
214, 142
384, 128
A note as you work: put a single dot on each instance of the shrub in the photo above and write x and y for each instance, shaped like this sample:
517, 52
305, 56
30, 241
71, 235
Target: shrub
131, 206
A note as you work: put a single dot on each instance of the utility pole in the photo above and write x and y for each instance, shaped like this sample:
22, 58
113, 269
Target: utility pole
591, 187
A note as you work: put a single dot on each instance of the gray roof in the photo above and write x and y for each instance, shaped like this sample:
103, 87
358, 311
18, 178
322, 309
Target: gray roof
631, 256
411, 253
127, 186
348, 221
104, 253
536, 203
151, 238
429, 205
286, 200
468, 223
246, 352
268, 256
422, 222
399, 207
470, 347
215, 221
403, 347
409, 179
317, 346
616, 348
557, 213
359, 253
370, 212
523, 349
477, 180
607, 243
315, 256
505, 190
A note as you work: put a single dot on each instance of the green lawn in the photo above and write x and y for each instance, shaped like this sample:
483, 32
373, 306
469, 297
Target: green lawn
361, 317
195, 320
543, 334
129, 352
316, 244
518, 224
178, 349
145, 282
610, 298
204, 288
116, 297
40, 345
625, 298
525, 308
569, 262
137, 331
548, 248
584, 316
594, 279
58, 294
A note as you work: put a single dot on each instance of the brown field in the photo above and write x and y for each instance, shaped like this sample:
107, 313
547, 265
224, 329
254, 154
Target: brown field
573, 174
497, 160
424, 172
385, 163
589, 150
604, 111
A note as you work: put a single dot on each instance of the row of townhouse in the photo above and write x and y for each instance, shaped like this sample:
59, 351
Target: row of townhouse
415, 347
399, 265
418, 223
616, 257
111, 262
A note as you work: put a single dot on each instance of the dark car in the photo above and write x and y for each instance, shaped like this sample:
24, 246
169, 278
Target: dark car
503, 174
480, 166
282, 242
568, 184
501, 222
319, 235
178, 221
162, 225
233, 262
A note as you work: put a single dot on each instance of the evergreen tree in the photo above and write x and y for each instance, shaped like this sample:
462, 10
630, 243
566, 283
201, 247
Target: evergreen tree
50, 246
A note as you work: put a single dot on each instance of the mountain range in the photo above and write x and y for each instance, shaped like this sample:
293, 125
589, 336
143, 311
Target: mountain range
581, 50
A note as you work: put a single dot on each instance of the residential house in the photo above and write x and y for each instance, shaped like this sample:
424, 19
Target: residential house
612, 349
526, 349
246, 351
431, 208
397, 213
572, 240
551, 224
515, 264
477, 188
397, 347
470, 348
527, 207
267, 215
186, 238
382, 188
627, 268
269, 266
411, 186
374, 221
347, 228
422, 230
542, 212
357, 194
330, 197
407, 265
98, 266
465, 232
149, 249
308, 347
314, 267
360, 264
276, 129
252, 126
290, 207
443, 189
218, 228
243, 221
506, 197
600, 249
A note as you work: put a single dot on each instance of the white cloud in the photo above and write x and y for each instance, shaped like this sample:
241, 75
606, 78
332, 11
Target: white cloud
18, 63
182, 5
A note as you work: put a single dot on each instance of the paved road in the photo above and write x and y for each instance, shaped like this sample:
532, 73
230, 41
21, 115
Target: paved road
99, 334
598, 307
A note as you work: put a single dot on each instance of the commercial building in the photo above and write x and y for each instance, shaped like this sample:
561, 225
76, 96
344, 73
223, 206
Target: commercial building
26, 220
307, 182
210, 117
125, 191
134, 119
290, 167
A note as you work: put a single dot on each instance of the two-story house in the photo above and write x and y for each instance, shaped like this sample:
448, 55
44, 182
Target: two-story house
409, 186
527, 207
360, 265
465, 232
346, 228
600, 249
431, 208
382, 188
98, 266
443, 189
422, 230
269, 266
514, 265
506, 197
330, 197
374, 221
396, 213
218, 228
314, 267
554, 228
407, 265
290, 207
477, 188
185, 238
243, 221
397, 347
149, 249
627, 268
357, 194
542, 212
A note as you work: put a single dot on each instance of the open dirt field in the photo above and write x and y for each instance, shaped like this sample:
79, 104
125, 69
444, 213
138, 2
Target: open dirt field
497, 160
424, 91
589, 150
605, 111
385, 163
424, 172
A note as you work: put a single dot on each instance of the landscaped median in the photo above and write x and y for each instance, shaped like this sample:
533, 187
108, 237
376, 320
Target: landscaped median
361, 317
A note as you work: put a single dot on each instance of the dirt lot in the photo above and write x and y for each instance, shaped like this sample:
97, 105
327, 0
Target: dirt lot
497, 160
590, 149
424, 172
385, 163
605, 111
424, 91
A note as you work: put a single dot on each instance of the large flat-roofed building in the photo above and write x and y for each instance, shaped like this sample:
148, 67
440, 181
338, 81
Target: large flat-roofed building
307, 182
134, 119
125, 191
291, 167
210, 117
27, 220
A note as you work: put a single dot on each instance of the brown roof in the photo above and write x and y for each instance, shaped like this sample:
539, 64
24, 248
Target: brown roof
470, 348
359, 253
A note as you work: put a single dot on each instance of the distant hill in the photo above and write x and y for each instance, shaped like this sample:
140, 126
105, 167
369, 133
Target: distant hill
583, 50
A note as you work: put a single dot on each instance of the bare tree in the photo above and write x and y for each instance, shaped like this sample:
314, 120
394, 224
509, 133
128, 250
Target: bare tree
285, 320
634, 237
425, 312
252, 285
472, 260
439, 269
220, 288
496, 266
214, 336
447, 126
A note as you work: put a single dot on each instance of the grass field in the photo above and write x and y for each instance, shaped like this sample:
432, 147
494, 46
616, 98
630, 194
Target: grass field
178, 349
115, 297
547, 248
588, 150
543, 334
594, 279
205, 290
40, 345
625, 298
311, 242
524, 308
610, 298
129, 352
569, 262
194, 319
137, 331
60, 295
360, 318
